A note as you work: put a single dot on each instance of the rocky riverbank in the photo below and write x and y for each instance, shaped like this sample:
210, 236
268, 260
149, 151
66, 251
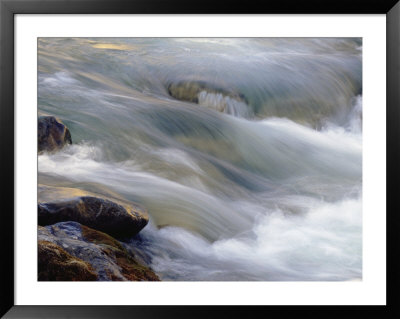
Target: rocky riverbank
81, 234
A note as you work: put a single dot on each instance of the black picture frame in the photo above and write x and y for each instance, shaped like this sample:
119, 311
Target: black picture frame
8, 8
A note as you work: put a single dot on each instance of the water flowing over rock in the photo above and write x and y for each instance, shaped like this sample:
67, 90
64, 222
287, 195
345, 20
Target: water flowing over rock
211, 96
52, 134
246, 152
105, 257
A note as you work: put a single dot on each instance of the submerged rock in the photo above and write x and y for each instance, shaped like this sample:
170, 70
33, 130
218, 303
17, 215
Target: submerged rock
52, 134
55, 264
95, 212
109, 258
190, 90
211, 96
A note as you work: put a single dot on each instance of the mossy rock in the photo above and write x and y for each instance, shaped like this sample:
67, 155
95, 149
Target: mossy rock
130, 268
55, 264
110, 259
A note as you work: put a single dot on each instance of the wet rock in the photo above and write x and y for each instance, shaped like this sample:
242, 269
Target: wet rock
52, 134
129, 219
110, 259
200, 92
55, 264
130, 267
101, 214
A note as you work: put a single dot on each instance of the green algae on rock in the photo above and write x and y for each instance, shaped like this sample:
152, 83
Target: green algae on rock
55, 264
130, 268
109, 258
52, 134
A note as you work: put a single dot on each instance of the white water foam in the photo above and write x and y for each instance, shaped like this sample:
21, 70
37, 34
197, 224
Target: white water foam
323, 244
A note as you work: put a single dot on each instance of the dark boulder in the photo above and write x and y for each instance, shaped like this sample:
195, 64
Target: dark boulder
98, 213
52, 134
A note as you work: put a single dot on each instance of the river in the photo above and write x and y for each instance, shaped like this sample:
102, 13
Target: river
246, 152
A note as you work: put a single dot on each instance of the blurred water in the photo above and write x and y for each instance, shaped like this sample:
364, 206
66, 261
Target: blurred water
258, 177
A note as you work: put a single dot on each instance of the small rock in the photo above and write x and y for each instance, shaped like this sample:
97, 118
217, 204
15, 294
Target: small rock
209, 95
52, 134
191, 91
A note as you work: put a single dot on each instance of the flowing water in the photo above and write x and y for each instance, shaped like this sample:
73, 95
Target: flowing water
247, 153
